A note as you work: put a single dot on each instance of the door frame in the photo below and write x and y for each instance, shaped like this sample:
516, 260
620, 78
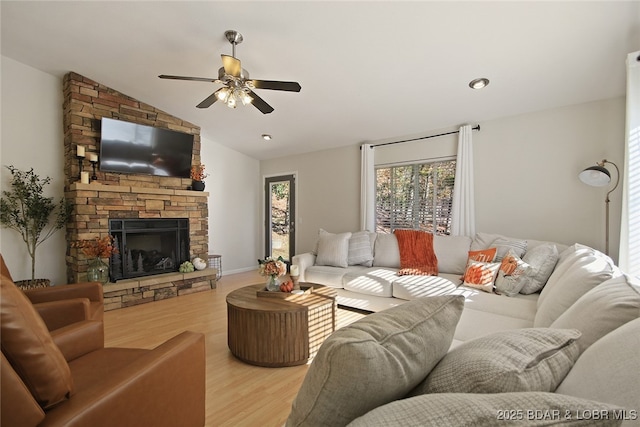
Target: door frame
266, 211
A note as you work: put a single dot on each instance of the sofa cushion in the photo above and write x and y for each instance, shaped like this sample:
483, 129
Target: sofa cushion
512, 274
579, 269
371, 281
360, 249
517, 307
333, 249
478, 323
330, 276
520, 360
609, 370
488, 410
452, 252
28, 346
412, 287
386, 252
542, 259
602, 309
375, 360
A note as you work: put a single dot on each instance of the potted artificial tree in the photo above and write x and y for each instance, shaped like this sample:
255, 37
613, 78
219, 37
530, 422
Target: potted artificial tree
26, 210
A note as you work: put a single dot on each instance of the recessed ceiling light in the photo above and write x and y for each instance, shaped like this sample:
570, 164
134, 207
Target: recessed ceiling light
478, 83
266, 137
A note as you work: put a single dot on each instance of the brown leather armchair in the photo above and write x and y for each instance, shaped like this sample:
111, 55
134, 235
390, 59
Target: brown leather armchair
90, 291
55, 370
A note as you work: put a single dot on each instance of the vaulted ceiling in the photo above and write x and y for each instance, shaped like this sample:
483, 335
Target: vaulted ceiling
368, 70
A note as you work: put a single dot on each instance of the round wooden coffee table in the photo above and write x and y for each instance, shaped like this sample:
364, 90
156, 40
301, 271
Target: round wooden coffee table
282, 330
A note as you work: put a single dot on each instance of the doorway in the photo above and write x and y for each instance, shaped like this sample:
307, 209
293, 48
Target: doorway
280, 233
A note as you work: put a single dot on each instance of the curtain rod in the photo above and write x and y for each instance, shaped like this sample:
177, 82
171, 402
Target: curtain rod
477, 127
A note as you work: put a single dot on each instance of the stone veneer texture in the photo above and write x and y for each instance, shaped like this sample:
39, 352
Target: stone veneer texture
121, 195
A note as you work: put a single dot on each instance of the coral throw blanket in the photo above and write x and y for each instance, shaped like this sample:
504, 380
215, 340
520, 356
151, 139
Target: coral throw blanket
416, 253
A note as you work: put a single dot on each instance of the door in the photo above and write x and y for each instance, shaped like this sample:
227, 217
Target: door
280, 217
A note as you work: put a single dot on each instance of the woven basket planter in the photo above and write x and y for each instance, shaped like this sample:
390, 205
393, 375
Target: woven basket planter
32, 284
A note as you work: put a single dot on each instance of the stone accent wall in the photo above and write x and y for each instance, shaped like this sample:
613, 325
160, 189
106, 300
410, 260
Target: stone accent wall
115, 195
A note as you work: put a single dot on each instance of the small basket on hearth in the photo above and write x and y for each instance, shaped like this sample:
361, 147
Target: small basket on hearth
215, 261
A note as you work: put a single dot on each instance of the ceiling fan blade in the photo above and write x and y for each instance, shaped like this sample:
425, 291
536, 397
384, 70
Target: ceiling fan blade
208, 101
197, 79
231, 65
276, 85
260, 103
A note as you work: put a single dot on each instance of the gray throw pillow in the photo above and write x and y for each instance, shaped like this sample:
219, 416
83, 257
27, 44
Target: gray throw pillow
531, 359
333, 249
542, 259
360, 249
375, 360
489, 410
503, 246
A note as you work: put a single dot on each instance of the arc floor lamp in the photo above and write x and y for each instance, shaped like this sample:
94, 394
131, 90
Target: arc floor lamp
599, 176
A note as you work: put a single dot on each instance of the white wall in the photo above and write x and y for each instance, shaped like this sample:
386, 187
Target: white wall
527, 170
32, 136
234, 206
526, 175
327, 190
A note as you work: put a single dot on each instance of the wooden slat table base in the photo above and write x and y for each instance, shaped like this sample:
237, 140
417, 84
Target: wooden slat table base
276, 332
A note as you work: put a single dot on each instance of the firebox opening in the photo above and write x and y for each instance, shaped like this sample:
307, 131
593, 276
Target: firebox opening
148, 246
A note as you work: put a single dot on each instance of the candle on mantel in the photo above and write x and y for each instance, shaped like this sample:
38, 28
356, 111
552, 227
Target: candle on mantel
93, 157
84, 177
294, 270
80, 151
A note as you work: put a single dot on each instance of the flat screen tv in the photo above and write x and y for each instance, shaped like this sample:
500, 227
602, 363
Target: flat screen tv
138, 149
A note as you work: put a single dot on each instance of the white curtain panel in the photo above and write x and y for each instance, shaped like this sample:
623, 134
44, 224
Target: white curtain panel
463, 217
630, 222
368, 188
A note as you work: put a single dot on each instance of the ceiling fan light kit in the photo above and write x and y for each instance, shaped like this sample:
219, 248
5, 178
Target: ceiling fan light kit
238, 88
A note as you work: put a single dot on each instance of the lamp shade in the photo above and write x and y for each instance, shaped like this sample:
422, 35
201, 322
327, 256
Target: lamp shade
596, 176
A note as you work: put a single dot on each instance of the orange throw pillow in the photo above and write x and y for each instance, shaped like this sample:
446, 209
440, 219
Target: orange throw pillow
484, 255
481, 275
417, 256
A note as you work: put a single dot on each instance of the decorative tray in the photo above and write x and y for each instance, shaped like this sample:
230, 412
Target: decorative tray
306, 290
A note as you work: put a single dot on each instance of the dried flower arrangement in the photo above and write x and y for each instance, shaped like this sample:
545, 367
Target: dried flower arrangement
198, 173
100, 247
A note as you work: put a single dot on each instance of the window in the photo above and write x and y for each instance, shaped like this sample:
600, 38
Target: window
415, 196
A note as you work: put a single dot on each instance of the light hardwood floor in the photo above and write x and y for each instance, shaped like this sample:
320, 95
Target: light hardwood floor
238, 394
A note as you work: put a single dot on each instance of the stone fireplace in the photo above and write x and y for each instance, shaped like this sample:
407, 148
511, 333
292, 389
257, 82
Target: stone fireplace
148, 246
128, 200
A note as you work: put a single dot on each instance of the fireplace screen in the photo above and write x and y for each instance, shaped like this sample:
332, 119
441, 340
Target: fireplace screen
148, 246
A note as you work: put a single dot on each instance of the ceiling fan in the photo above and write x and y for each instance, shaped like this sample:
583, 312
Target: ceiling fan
238, 87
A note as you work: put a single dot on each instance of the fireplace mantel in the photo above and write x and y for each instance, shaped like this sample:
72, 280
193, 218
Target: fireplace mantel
77, 186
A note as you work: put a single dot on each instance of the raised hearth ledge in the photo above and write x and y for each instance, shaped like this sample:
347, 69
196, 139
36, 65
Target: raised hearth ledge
78, 186
141, 290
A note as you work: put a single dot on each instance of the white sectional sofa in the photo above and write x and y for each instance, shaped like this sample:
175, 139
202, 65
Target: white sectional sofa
376, 286
584, 321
